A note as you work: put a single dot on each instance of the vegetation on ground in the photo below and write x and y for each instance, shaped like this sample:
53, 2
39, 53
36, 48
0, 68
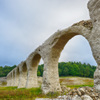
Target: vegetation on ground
12, 93
76, 82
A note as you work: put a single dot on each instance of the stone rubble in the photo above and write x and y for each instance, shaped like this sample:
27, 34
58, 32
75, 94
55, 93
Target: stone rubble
82, 93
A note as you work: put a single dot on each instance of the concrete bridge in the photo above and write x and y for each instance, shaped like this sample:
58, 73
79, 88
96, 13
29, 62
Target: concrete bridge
25, 74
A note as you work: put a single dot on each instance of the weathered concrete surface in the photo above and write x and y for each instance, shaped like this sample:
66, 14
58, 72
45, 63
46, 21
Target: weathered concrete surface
94, 9
9, 79
17, 73
32, 63
51, 49
22, 75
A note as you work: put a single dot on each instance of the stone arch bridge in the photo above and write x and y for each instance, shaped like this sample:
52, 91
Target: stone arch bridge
25, 74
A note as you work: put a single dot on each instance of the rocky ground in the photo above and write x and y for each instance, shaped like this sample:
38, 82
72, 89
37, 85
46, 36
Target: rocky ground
82, 93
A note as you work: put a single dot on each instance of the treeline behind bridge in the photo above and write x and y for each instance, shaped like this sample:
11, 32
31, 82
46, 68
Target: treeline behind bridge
72, 69
65, 69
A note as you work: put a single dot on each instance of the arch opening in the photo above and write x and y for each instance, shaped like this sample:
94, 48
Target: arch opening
77, 50
57, 50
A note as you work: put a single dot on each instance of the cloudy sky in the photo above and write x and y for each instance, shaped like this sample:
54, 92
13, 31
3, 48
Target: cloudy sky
26, 24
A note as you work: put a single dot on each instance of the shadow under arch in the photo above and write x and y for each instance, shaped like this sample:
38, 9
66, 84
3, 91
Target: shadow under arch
32, 65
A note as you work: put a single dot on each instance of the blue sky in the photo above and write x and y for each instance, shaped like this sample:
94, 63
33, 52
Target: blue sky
26, 24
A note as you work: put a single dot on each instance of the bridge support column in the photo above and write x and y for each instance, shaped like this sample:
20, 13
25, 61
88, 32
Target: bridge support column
16, 77
97, 79
12, 78
32, 65
22, 79
94, 10
32, 78
8, 80
50, 75
22, 76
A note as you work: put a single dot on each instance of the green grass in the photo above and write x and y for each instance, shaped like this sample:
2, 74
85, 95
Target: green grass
12, 93
77, 86
73, 77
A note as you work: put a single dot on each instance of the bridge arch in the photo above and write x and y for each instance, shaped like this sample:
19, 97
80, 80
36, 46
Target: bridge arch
32, 66
60, 39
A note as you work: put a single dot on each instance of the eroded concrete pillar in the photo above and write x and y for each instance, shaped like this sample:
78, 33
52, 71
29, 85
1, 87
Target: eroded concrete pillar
12, 78
16, 76
32, 65
94, 8
8, 79
22, 75
50, 74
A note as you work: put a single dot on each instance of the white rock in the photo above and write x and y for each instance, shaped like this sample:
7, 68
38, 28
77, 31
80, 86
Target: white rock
76, 97
86, 97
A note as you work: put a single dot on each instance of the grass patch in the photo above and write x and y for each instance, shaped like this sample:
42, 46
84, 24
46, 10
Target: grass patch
12, 93
77, 86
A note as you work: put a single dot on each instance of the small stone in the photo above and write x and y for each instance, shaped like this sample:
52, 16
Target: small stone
79, 93
42, 99
86, 97
82, 90
86, 92
74, 93
76, 97
71, 93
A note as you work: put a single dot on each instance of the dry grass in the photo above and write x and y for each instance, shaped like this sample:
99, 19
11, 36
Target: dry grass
74, 82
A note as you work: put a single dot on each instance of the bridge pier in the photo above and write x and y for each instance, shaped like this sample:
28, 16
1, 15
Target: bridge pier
9, 79
50, 74
12, 78
16, 76
32, 79
94, 10
22, 75
32, 65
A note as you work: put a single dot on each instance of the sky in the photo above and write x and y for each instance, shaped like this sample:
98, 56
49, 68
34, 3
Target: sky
26, 24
